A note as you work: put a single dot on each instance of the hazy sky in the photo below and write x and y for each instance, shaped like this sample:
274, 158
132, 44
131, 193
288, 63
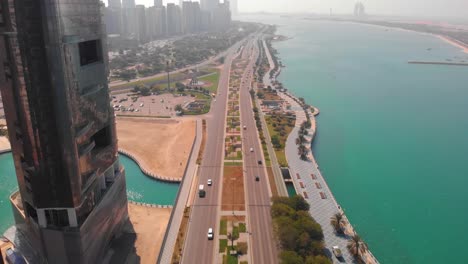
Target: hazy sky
449, 8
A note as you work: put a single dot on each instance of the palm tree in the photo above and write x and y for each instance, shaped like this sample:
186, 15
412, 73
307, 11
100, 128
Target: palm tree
336, 221
357, 247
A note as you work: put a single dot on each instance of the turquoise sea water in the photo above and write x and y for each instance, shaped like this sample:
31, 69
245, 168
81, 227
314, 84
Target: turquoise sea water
140, 188
291, 189
392, 137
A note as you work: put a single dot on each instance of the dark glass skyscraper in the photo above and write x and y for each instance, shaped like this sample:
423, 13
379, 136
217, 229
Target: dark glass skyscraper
53, 66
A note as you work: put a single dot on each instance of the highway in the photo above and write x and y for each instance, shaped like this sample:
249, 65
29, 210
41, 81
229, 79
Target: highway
205, 211
262, 242
198, 249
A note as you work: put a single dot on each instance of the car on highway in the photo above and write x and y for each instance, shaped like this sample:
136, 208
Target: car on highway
210, 233
259, 162
210, 182
245, 127
251, 149
257, 178
337, 251
201, 191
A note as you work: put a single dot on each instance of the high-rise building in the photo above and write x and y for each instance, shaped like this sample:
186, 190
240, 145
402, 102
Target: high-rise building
128, 3
150, 14
209, 5
72, 194
115, 4
158, 3
222, 16
359, 9
161, 22
174, 20
234, 7
191, 17
113, 19
141, 23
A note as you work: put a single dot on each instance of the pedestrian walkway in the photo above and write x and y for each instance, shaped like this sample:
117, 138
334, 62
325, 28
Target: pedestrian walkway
309, 183
175, 221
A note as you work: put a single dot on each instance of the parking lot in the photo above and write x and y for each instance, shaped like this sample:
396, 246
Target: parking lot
153, 105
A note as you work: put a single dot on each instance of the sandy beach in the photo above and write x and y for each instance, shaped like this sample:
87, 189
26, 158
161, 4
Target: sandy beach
455, 43
162, 146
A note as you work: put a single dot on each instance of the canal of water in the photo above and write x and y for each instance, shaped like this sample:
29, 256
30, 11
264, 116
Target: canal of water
140, 188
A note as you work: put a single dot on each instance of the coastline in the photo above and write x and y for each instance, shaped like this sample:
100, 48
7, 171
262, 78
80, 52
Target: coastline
367, 257
463, 48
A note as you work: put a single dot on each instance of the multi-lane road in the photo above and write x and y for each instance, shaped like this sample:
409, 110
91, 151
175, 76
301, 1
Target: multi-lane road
262, 243
205, 211
198, 249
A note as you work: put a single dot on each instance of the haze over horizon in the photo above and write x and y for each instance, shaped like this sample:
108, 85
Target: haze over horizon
413, 8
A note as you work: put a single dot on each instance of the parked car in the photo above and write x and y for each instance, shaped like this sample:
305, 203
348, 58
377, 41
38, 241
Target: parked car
210, 182
337, 251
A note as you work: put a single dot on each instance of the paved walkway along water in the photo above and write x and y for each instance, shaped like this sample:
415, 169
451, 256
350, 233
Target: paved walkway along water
309, 183
175, 221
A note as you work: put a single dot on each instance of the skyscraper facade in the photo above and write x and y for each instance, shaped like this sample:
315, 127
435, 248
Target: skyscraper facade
158, 3
72, 194
234, 7
191, 17
209, 5
141, 23
174, 20
128, 3
115, 4
221, 16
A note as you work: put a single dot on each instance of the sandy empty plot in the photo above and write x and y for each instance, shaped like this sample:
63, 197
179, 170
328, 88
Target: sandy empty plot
4, 143
150, 225
233, 189
161, 146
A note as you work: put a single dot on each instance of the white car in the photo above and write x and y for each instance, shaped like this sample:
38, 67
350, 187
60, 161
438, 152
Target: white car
251, 149
210, 182
210, 233
337, 251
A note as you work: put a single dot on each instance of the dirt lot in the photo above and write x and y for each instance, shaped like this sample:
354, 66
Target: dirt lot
233, 189
4, 143
162, 146
153, 105
142, 237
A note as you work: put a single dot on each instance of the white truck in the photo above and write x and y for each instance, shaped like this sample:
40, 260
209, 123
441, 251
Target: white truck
201, 191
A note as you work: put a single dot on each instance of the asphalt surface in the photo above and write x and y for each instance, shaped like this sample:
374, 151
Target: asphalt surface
198, 249
262, 243
205, 211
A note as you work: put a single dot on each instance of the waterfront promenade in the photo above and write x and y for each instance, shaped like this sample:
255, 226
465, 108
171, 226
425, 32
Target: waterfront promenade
309, 183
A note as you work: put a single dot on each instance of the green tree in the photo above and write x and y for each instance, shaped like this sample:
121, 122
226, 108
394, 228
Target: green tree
299, 203
145, 91
3, 130
180, 87
276, 141
290, 257
318, 260
336, 221
179, 108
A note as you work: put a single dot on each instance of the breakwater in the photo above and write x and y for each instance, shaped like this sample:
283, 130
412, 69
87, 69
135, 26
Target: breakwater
439, 63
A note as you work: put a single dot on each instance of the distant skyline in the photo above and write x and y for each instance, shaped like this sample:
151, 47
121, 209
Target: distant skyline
417, 8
